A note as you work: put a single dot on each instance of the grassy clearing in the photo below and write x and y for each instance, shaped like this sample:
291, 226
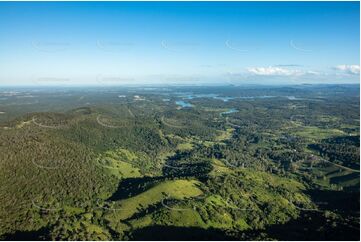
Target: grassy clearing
122, 154
184, 146
176, 189
119, 168
219, 167
315, 133
184, 218
224, 135
216, 200
117, 163
334, 175
259, 193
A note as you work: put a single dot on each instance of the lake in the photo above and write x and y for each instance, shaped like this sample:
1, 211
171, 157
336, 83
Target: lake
184, 104
232, 110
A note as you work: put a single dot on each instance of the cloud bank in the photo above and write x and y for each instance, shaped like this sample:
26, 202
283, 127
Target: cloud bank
273, 71
350, 69
295, 74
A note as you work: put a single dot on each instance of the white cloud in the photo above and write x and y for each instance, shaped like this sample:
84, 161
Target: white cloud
294, 74
274, 71
351, 69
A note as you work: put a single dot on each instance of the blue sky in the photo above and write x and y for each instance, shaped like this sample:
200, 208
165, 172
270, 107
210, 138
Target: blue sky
71, 43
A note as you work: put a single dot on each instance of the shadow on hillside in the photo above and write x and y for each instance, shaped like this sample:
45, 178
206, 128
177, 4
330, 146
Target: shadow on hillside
133, 186
317, 225
178, 233
314, 226
342, 201
41, 234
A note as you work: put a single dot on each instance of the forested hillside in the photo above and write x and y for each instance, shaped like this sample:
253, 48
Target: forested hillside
180, 163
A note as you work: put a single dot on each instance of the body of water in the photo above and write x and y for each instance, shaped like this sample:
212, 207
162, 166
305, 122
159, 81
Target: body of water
232, 110
184, 104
